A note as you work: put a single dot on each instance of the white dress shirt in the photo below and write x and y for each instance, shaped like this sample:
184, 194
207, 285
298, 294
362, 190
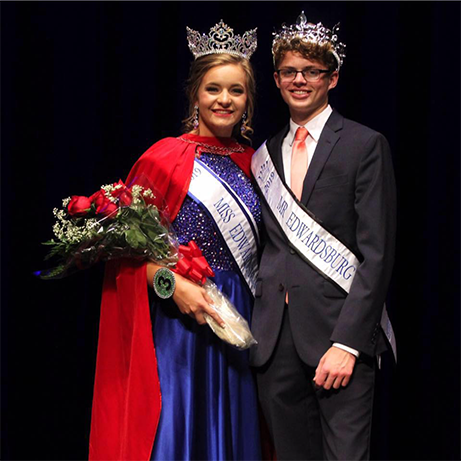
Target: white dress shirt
315, 128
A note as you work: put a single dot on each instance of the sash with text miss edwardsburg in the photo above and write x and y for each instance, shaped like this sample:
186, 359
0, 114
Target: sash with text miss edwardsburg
232, 217
322, 250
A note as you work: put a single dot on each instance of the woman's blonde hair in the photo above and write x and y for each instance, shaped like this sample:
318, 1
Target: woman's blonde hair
198, 70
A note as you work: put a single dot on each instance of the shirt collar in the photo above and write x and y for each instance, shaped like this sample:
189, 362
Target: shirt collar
314, 126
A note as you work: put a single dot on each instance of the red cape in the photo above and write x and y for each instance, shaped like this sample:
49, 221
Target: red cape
127, 396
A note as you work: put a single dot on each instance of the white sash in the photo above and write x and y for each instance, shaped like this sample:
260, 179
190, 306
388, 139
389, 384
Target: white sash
316, 245
232, 217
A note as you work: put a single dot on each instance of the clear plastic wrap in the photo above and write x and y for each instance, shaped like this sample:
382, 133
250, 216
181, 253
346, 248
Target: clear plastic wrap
236, 332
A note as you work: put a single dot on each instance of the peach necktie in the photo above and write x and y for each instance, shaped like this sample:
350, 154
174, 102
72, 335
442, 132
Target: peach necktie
299, 161
298, 166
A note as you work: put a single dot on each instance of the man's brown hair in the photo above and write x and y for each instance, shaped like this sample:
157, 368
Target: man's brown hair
309, 50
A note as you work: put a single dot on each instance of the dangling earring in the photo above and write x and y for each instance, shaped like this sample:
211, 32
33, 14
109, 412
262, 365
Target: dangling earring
242, 126
195, 117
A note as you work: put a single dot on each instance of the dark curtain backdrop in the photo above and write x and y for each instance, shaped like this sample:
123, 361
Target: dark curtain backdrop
89, 86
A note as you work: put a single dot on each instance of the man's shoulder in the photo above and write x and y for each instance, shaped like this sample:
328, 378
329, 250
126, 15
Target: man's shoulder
339, 123
358, 127
352, 129
360, 140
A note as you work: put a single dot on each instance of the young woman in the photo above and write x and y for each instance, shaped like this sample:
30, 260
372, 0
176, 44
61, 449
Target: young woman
191, 396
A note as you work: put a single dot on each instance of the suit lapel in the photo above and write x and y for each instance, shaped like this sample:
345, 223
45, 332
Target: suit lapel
329, 137
274, 146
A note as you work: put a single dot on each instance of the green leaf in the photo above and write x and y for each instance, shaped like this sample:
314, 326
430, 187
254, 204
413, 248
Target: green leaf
135, 238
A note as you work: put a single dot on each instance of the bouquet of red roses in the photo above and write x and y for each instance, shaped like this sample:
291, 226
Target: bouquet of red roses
116, 221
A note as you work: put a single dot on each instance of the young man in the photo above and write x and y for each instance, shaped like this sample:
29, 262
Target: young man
328, 194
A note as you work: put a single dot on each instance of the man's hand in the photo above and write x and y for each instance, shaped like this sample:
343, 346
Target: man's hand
335, 369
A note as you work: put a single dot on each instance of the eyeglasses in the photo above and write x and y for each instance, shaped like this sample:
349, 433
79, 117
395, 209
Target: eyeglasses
309, 74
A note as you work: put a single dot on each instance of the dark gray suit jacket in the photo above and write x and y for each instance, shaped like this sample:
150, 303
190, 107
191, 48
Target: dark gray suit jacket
350, 188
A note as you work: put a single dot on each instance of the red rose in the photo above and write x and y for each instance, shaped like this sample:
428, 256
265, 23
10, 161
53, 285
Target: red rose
126, 198
98, 198
107, 208
103, 204
78, 205
123, 194
119, 187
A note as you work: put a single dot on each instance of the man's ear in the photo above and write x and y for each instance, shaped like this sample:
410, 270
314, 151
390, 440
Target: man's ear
277, 79
334, 77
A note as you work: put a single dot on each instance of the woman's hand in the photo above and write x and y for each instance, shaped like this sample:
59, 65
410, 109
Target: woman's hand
190, 298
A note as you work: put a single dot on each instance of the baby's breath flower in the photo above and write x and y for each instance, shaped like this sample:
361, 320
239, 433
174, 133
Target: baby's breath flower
108, 188
57, 230
136, 190
91, 224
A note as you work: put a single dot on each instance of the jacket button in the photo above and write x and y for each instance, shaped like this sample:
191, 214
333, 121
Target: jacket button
292, 251
281, 287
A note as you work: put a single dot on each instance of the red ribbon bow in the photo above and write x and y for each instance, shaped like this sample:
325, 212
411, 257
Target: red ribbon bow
193, 265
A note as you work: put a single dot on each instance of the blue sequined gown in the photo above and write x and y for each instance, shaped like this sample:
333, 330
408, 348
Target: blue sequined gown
209, 403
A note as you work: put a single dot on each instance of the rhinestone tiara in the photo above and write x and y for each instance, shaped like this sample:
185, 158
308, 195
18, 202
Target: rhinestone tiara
312, 33
222, 40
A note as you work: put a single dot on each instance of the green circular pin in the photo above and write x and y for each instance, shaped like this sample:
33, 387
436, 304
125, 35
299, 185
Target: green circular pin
164, 283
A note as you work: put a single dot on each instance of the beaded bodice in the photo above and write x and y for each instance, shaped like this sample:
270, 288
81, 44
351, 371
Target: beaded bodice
193, 223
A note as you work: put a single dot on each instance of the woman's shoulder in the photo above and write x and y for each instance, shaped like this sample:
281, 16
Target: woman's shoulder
248, 150
162, 158
243, 159
164, 152
165, 144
